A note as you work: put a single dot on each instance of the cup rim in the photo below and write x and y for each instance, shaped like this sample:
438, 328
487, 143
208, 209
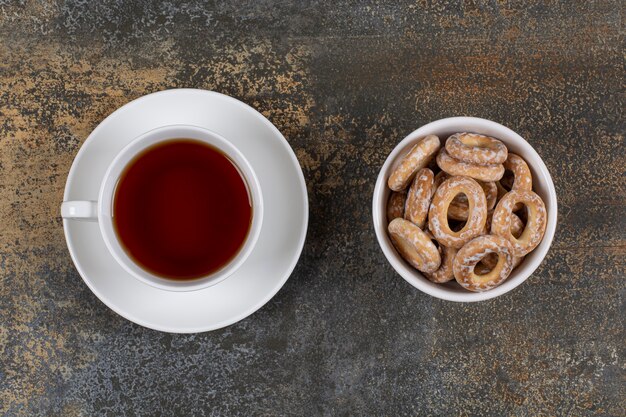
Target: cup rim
121, 161
443, 128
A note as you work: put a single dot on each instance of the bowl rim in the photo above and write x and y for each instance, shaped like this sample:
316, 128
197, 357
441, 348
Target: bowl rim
478, 125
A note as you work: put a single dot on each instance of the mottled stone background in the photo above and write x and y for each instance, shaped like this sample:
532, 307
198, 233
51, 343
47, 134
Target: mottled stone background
344, 82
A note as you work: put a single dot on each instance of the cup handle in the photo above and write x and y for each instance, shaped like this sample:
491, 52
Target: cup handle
80, 210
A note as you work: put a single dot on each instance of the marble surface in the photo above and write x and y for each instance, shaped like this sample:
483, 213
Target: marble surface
344, 82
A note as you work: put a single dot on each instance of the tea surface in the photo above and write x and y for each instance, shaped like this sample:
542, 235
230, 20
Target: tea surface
182, 209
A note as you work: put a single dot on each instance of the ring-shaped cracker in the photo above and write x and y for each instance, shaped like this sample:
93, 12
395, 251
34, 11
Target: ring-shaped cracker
535, 223
414, 245
438, 214
419, 197
485, 173
417, 158
471, 253
476, 149
522, 177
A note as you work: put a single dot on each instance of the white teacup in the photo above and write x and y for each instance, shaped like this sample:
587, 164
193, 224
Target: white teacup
101, 210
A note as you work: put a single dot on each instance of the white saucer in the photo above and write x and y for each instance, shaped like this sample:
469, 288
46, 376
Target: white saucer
278, 247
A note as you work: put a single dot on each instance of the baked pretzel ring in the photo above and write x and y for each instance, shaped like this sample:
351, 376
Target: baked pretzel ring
522, 177
414, 245
444, 273
395, 205
417, 158
535, 224
476, 149
438, 214
469, 255
485, 173
460, 201
419, 196
458, 207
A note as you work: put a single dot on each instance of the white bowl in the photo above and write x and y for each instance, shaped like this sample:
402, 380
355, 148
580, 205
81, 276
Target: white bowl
542, 185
